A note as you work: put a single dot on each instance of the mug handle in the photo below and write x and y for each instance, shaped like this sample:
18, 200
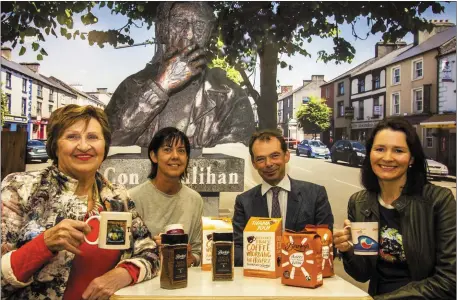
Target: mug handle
96, 241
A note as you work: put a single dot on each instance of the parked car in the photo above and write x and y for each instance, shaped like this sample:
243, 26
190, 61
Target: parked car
291, 143
313, 148
436, 169
36, 150
352, 152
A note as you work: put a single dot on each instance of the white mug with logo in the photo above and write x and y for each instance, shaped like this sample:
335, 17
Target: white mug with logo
365, 236
114, 232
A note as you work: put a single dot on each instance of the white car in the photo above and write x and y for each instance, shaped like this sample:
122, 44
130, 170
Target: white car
436, 169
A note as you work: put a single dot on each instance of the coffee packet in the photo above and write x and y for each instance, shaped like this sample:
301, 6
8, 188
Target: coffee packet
301, 259
262, 247
327, 248
209, 226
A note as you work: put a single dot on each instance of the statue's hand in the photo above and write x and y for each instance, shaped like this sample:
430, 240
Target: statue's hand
180, 67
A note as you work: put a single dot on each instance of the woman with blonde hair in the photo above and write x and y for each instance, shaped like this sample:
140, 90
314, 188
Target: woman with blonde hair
44, 254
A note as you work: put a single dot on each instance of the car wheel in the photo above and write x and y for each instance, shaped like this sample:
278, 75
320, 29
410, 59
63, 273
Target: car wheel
297, 152
44, 160
334, 160
353, 161
309, 153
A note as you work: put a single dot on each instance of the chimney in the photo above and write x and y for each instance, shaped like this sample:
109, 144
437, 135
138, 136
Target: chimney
316, 78
35, 67
382, 49
102, 90
285, 89
438, 26
6, 53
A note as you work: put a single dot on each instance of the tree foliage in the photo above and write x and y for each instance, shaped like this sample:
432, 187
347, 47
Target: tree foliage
248, 29
4, 107
314, 117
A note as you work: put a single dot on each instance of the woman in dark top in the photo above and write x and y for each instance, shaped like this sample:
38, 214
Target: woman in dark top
417, 220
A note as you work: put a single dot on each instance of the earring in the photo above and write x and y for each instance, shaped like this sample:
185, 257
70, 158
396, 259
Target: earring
410, 165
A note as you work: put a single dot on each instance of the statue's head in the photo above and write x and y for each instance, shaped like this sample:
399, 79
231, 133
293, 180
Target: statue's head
181, 24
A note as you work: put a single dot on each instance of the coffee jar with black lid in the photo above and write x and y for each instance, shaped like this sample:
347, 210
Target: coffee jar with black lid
223, 256
174, 261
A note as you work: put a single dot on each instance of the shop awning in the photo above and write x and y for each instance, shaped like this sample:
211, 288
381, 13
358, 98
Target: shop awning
440, 121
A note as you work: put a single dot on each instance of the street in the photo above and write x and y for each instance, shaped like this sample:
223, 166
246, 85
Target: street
340, 181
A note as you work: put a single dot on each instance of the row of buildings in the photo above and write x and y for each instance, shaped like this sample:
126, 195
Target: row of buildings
417, 81
32, 97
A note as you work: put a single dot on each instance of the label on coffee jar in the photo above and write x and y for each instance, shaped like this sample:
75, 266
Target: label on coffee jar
180, 264
223, 259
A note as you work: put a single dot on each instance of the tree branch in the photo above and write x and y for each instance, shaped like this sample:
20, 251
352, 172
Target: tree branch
252, 92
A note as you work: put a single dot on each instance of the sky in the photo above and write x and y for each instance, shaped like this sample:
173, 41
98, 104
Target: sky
76, 62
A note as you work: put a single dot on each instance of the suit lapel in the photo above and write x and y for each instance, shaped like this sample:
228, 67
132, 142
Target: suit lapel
293, 205
260, 206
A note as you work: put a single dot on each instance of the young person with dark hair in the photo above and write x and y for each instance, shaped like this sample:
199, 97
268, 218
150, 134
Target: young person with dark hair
417, 220
163, 199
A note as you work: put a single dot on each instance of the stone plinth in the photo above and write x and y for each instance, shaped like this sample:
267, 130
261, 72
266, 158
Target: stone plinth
208, 174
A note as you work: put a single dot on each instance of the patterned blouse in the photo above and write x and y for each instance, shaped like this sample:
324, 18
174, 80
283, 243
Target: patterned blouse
35, 201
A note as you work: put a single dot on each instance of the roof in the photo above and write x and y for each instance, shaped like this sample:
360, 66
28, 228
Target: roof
437, 120
292, 92
432, 43
57, 83
384, 60
351, 71
25, 70
76, 91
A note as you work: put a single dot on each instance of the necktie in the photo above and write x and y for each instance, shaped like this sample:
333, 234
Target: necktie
275, 210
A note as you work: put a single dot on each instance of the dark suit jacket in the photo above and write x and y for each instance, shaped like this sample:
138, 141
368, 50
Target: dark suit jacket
307, 203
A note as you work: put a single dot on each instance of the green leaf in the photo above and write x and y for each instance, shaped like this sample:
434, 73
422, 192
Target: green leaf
283, 64
35, 46
43, 52
68, 36
30, 31
22, 51
53, 32
63, 31
82, 36
140, 8
102, 4
39, 57
68, 13
47, 30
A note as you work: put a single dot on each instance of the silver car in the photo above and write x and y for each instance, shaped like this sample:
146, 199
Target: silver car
436, 169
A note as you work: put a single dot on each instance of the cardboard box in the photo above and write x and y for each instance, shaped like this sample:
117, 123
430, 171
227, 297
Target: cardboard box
262, 247
301, 259
210, 225
327, 248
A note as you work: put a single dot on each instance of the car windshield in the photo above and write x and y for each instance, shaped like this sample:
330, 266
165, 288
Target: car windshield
35, 143
316, 144
358, 146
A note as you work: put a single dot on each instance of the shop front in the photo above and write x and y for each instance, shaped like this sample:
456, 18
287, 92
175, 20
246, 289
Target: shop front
361, 131
39, 129
444, 132
15, 123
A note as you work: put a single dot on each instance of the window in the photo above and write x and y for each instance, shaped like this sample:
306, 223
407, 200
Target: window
340, 88
305, 100
8, 80
24, 106
361, 85
396, 75
341, 109
418, 100
24, 85
50, 108
428, 137
38, 109
361, 117
396, 104
40, 91
51, 95
377, 82
417, 69
376, 108
8, 102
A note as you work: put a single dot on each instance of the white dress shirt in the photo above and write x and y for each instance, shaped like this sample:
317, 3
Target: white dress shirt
284, 184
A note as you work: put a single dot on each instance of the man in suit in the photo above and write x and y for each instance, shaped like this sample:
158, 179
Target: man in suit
298, 203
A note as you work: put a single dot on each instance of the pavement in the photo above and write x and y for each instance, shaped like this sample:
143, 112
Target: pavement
340, 181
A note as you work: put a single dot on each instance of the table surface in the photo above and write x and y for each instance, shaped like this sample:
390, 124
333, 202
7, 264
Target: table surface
200, 285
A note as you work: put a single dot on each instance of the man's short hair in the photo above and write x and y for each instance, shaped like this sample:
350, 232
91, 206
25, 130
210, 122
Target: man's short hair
267, 135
